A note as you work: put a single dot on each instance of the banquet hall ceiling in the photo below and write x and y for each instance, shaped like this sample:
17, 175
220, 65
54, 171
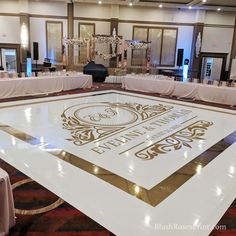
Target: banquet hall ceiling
227, 5
224, 5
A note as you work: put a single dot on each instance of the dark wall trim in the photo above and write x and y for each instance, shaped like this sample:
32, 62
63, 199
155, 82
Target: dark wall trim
92, 19
154, 22
233, 48
194, 61
47, 16
218, 26
33, 15
9, 14
70, 34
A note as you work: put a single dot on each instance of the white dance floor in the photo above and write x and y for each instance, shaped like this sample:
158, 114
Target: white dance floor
135, 164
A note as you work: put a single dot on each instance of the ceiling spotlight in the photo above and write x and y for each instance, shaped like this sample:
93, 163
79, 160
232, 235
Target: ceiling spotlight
99, 2
190, 7
160, 5
130, 4
218, 9
204, 1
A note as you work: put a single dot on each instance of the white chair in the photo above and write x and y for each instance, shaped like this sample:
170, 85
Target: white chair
40, 74
224, 84
15, 75
215, 82
233, 84
195, 80
6, 204
6, 75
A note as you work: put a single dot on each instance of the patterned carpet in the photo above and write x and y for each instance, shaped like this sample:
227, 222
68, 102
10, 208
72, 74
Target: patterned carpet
64, 219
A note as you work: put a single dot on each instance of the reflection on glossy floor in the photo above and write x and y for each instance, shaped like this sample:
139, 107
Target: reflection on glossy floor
152, 158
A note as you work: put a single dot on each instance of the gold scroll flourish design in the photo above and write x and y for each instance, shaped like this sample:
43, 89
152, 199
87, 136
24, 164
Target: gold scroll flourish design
82, 132
176, 141
145, 111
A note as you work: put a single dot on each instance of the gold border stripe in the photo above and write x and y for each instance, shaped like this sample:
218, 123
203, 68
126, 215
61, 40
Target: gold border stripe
153, 196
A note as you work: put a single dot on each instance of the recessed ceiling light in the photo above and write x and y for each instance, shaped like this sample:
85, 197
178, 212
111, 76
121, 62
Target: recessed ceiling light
130, 4
160, 5
100, 2
190, 7
218, 9
204, 0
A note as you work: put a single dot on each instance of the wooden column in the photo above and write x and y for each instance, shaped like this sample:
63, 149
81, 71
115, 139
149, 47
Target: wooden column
195, 61
70, 33
114, 25
233, 49
25, 37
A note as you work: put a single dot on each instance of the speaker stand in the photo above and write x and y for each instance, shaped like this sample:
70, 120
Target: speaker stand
36, 67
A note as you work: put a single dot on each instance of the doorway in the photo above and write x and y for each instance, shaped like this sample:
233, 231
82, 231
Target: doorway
213, 66
9, 57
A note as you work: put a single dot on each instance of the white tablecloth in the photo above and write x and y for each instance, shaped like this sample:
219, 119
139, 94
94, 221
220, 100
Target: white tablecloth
203, 92
7, 214
42, 85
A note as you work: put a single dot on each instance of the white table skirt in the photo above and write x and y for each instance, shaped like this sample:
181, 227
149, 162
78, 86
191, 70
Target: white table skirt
222, 95
148, 85
203, 92
42, 85
81, 81
7, 213
114, 79
185, 90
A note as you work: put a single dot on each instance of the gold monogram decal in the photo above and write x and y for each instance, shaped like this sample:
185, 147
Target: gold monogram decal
108, 114
176, 141
85, 128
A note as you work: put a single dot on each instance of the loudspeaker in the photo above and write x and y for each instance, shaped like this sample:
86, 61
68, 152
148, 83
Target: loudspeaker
28, 54
180, 57
36, 51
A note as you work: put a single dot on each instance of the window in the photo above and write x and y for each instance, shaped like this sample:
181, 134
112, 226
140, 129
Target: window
168, 47
54, 31
85, 31
139, 55
163, 45
155, 37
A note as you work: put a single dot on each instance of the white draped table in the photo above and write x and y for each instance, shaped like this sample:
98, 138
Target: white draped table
42, 85
7, 214
203, 92
151, 85
222, 95
185, 90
